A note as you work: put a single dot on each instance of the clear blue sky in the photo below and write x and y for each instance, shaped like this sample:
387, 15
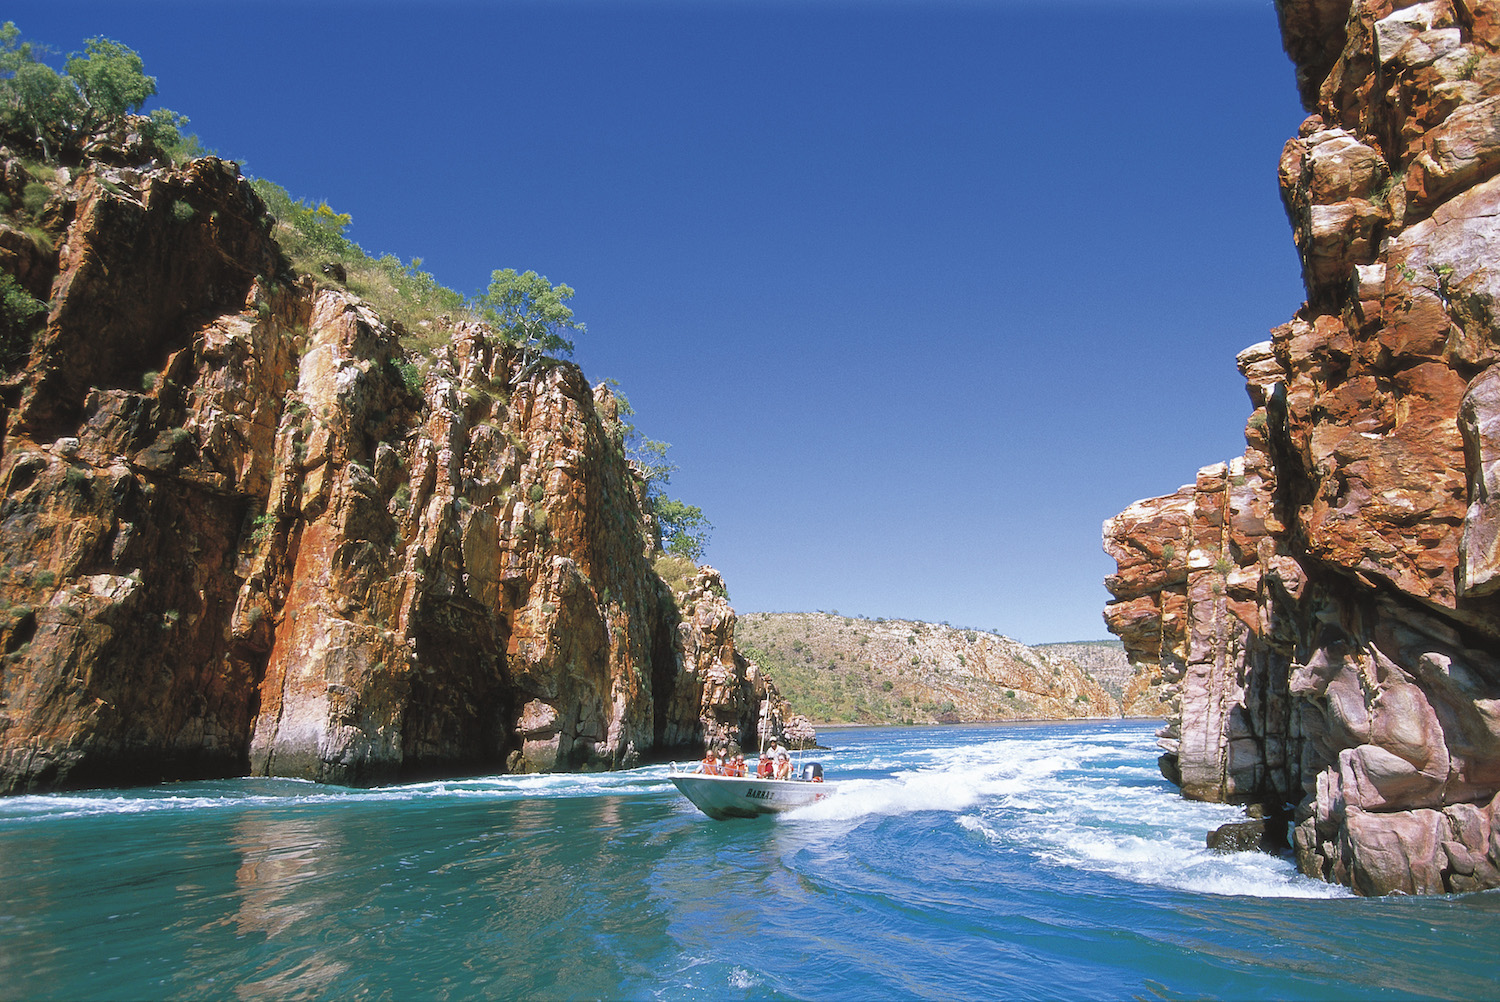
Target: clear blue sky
920, 291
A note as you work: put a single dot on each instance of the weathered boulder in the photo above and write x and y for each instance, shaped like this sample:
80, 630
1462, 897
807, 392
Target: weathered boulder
1237, 836
1264, 830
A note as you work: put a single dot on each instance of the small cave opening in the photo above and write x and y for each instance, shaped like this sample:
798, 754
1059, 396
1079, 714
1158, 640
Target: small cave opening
21, 633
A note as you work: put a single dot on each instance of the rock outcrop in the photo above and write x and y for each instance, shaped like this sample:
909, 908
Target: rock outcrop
1325, 606
243, 532
729, 689
1137, 686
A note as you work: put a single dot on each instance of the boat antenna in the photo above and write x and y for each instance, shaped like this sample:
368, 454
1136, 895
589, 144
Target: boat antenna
765, 709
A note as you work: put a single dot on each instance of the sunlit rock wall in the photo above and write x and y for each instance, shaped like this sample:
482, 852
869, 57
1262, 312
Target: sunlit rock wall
1326, 604
242, 535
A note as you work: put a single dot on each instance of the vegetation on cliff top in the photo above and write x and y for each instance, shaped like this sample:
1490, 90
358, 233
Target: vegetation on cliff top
55, 112
681, 530
100, 85
314, 238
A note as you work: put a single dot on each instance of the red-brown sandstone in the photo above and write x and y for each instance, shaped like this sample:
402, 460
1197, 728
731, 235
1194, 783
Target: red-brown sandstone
1325, 606
236, 541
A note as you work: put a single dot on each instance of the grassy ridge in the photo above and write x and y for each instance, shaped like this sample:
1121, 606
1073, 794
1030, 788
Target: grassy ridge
839, 669
313, 238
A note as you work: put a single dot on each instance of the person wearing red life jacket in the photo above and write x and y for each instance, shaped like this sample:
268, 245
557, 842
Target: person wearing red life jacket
783, 761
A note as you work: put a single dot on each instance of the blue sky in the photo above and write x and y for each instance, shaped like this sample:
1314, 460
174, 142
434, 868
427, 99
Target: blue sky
919, 292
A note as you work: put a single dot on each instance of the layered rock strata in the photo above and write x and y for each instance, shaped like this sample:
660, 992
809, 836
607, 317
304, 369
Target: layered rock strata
1325, 606
243, 532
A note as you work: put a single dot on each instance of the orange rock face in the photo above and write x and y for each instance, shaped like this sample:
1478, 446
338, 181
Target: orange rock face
1325, 606
237, 541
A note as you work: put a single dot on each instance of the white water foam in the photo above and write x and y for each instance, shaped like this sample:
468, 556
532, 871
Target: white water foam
742, 979
954, 787
1171, 859
1087, 802
251, 793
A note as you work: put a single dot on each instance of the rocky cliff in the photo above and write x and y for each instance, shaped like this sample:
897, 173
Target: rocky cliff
244, 532
1325, 606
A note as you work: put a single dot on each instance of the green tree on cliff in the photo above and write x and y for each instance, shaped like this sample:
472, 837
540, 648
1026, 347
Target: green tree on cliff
684, 530
530, 312
97, 87
20, 318
35, 99
111, 82
681, 526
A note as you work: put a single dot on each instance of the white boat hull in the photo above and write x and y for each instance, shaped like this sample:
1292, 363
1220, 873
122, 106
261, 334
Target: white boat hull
723, 797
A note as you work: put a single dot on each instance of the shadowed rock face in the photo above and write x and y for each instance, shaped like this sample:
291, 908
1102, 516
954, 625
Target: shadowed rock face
237, 541
1325, 605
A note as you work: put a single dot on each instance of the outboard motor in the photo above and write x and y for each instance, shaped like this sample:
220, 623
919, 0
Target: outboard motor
812, 772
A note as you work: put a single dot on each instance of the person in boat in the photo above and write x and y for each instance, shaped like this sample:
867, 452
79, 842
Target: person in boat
738, 769
766, 768
783, 761
710, 764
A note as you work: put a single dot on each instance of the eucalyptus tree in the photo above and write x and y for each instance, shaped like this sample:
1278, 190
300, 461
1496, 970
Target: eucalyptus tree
681, 528
104, 83
111, 82
35, 99
531, 313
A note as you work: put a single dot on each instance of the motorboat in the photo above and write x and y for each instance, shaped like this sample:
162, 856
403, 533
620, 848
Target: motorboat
723, 797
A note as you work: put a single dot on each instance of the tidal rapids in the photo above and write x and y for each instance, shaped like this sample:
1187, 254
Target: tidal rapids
1017, 861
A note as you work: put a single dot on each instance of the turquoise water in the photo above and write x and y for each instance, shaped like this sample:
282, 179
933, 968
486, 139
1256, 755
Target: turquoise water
1018, 861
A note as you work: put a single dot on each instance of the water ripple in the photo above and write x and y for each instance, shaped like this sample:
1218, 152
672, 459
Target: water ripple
1029, 861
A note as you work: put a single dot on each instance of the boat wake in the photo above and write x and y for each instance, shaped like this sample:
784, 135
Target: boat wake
1079, 803
241, 794
1085, 800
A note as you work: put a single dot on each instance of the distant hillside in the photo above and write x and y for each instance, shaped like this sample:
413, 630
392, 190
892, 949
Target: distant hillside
1137, 688
840, 669
1103, 659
